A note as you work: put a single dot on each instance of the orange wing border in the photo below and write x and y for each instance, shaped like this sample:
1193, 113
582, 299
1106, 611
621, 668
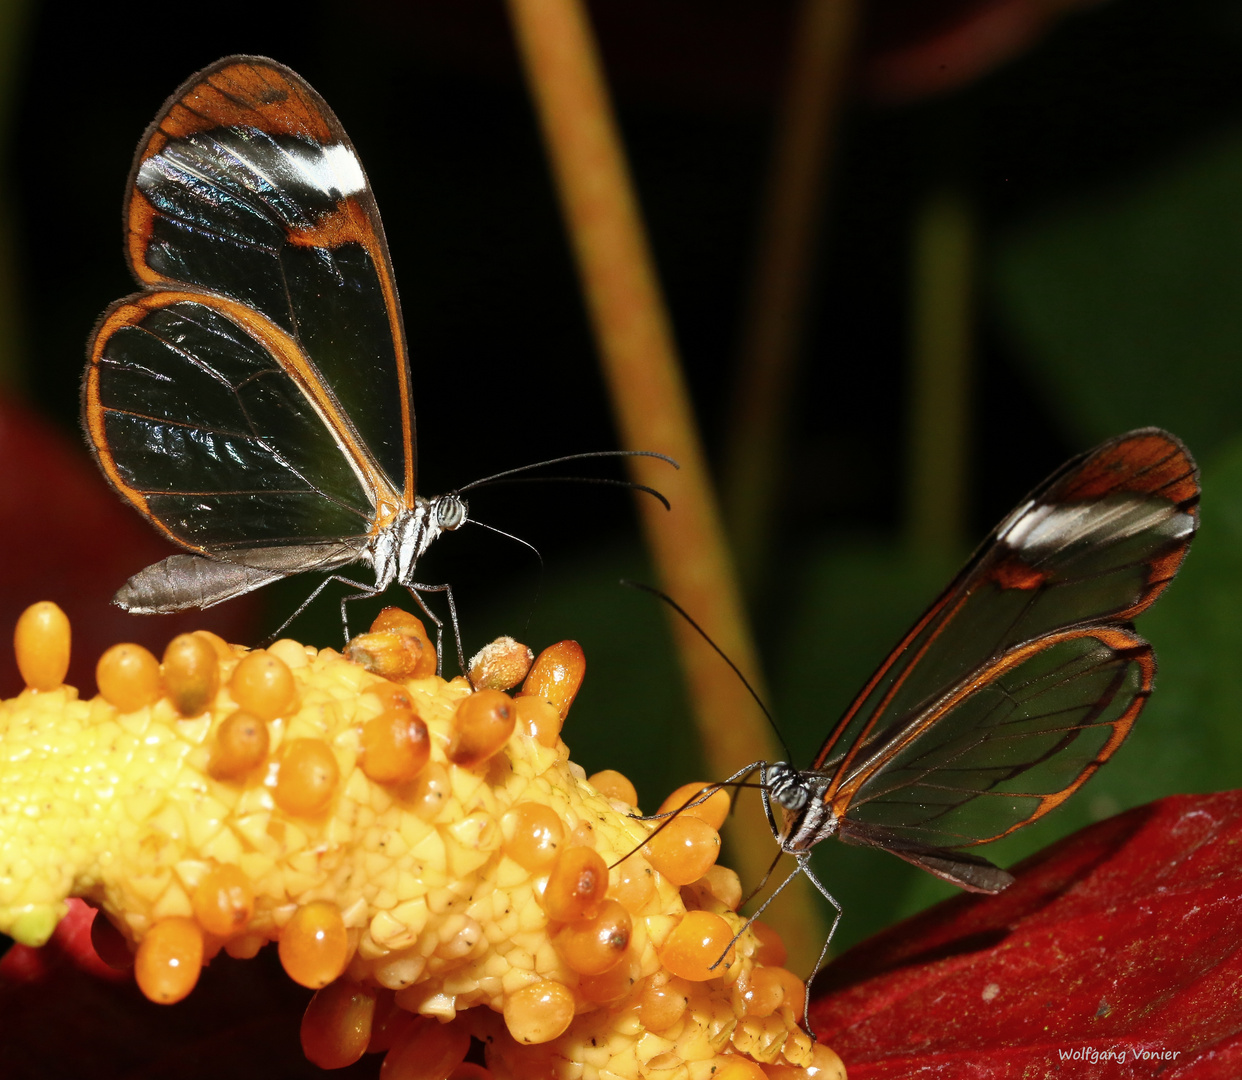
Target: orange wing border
1123, 642
259, 92
131, 311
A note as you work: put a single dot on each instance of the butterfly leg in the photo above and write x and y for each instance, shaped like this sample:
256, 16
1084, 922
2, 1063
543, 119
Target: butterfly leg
363, 590
804, 864
762, 907
414, 589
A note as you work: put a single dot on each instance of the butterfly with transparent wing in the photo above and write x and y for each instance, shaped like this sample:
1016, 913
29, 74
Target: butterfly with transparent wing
1021, 679
253, 401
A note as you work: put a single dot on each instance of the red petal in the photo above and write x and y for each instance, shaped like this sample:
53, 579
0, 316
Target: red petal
1121, 939
916, 47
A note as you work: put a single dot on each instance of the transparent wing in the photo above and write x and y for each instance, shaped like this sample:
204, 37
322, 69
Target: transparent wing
251, 223
1092, 546
204, 416
1003, 747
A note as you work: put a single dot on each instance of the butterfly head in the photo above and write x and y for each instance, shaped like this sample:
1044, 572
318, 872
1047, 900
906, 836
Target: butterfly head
450, 512
807, 819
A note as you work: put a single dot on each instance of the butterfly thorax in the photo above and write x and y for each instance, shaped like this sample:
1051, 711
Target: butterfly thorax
806, 817
395, 550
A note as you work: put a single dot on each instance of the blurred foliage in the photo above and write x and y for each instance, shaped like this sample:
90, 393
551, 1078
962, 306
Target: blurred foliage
1123, 304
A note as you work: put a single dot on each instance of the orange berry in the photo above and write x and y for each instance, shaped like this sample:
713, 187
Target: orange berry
390, 653
593, 946
733, 1067
500, 665
539, 1011
660, 1007
481, 726
241, 744
263, 685
614, 785
110, 944
576, 885
557, 675
695, 950
395, 746
430, 791
41, 641
771, 951
191, 673
795, 990
683, 849
632, 882
391, 695
389, 1022
713, 808
468, 1070
128, 677
169, 959
223, 901
245, 946
718, 885
582, 835
539, 720
394, 618
533, 834
314, 945
336, 1026
426, 1050
224, 651
613, 985
825, 1064
761, 993
307, 777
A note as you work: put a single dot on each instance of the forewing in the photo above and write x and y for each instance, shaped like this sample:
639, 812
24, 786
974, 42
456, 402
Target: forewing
247, 186
206, 417
1095, 544
1004, 746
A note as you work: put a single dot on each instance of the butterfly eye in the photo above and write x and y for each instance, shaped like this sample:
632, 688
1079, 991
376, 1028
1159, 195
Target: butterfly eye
450, 512
785, 787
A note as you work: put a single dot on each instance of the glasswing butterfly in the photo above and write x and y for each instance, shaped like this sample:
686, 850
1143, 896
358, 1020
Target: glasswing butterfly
253, 401
1019, 681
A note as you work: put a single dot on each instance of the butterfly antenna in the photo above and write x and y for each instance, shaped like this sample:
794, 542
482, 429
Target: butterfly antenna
719, 652
737, 780
524, 543
509, 536
632, 485
584, 456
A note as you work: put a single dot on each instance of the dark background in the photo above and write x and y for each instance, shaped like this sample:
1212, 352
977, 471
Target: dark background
1102, 165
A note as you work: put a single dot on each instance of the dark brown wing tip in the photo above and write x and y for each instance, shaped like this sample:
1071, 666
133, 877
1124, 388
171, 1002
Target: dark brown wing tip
1148, 461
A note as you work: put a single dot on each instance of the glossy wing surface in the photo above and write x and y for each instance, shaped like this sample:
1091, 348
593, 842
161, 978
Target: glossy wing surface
199, 416
1003, 747
1094, 545
247, 186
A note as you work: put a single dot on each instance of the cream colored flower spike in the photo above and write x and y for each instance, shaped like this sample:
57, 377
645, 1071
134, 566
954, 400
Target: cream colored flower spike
424, 855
